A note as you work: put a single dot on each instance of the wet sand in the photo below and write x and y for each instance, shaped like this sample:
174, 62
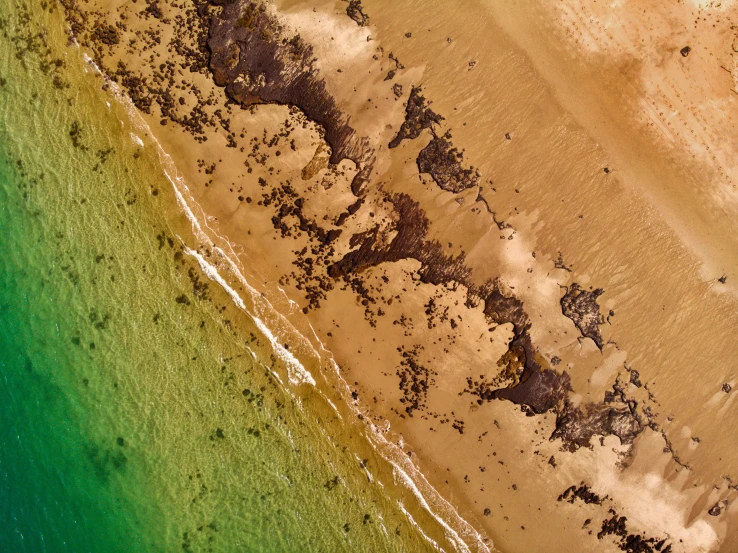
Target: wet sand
549, 305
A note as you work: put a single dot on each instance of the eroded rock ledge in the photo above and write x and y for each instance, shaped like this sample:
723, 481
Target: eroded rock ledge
257, 60
444, 163
355, 11
581, 307
439, 158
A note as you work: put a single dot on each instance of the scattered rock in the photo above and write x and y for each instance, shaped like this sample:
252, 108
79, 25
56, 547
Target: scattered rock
717, 509
581, 492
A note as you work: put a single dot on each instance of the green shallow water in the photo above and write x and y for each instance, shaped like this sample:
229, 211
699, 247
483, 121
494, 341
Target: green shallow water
134, 416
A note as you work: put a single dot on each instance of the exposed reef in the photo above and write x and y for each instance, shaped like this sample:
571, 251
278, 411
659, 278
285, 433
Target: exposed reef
258, 60
408, 243
577, 425
444, 163
418, 117
439, 158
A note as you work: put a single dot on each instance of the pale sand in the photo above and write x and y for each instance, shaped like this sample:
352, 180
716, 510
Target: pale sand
578, 87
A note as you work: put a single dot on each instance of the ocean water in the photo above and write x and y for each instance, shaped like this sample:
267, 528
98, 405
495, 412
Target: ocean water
140, 408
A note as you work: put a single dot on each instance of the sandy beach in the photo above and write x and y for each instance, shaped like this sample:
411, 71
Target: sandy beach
512, 225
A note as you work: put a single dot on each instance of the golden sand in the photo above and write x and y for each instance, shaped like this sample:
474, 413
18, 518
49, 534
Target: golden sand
609, 156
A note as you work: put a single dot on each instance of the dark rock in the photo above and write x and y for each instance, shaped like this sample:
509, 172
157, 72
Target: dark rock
581, 492
582, 308
716, 509
635, 378
576, 425
258, 61
501, 309
444, 163
418, 117
356, 12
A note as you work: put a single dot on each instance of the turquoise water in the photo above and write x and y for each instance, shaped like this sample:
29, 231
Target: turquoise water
139, 410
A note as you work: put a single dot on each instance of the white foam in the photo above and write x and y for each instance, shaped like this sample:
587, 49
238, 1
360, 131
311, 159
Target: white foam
297, 373
384, 447
451, 534
137, 140
419, 529
333, 405
366, 470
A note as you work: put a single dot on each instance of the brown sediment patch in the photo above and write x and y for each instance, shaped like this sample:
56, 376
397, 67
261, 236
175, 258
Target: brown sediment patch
318, 163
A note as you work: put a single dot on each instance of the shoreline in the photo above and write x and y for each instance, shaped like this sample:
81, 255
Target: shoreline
595, 372
405, 474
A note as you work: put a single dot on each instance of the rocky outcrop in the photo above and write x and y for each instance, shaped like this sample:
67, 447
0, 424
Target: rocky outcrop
444, 163
581, 307
258, 61
418, 117
576, 426
409, 243
356, 12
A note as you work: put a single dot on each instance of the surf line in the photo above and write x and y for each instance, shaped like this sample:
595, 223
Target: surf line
297, 372
403, 470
